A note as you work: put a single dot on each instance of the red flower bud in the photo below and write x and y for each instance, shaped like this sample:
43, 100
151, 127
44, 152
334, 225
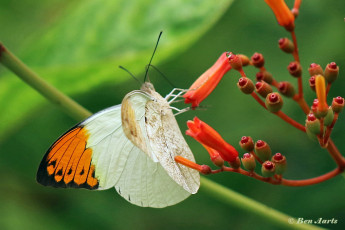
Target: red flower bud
312, 82
331, 72
247, 143
338, 104
295, 69
235, 61
315, 69
258, 60
286, 45
268, 169
263, 88
245, 85
286, 88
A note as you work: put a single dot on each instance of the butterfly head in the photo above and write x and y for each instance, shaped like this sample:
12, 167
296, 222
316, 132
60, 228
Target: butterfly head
147, 87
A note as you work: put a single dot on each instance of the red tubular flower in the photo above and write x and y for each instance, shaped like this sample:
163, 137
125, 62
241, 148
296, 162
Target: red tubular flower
283, 14
206, 83
206, 135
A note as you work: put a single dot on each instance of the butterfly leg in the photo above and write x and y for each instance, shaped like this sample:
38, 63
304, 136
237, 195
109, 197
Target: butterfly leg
171, 94
179, 111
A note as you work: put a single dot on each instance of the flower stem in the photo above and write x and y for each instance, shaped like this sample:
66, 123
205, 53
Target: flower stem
65, 103
312, 181
237, 200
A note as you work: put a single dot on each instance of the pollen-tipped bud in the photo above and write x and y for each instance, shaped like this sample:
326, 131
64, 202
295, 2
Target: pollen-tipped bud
286, 88
315, 69
286, 45
248, 161
328, 119
235, 164
262, 150
235, 61
247, 143
258, 60
280, 162
263, 88
274, 102
264, 76
331, 72
268, 169
295, 69
313, 124
245, 60
245, 85
312, 83
338, 104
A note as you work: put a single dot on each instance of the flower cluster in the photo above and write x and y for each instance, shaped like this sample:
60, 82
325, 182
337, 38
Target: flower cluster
320, 121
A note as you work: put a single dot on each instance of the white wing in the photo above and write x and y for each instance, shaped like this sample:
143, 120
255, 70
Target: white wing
162, 137
118, 162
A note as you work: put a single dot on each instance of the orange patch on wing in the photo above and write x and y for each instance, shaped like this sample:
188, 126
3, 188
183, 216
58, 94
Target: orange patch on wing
69, 160
83, 167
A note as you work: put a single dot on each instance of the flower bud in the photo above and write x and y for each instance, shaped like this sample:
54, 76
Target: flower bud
295, 69
248, 161
274, 102
235, 164
338, 104
247, 143
328, 119
313, 124
315, 109
264, 76
244, 59
234, 60
258, 60
312, 83
245, 85
263, 150
331, 72
311, 135
315, 69
205, 169
286, 45
268, 169
320, 88
280, 162
286, 88
263, 88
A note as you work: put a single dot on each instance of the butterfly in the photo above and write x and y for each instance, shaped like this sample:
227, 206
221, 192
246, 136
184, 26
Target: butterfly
131, 147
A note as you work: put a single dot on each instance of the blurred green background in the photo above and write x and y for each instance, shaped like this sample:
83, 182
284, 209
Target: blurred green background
77, 46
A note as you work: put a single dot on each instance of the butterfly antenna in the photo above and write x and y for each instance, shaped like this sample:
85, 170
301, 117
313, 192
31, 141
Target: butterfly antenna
163, 75
154, 51
121, 67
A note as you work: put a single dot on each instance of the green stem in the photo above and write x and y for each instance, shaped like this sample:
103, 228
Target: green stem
237, 200
79, 113
65, 103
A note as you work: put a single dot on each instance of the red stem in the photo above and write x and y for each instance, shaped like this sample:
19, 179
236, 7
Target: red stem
329, 129
290, 121
328, 88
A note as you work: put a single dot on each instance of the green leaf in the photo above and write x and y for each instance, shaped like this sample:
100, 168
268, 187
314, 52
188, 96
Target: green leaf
81, 48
